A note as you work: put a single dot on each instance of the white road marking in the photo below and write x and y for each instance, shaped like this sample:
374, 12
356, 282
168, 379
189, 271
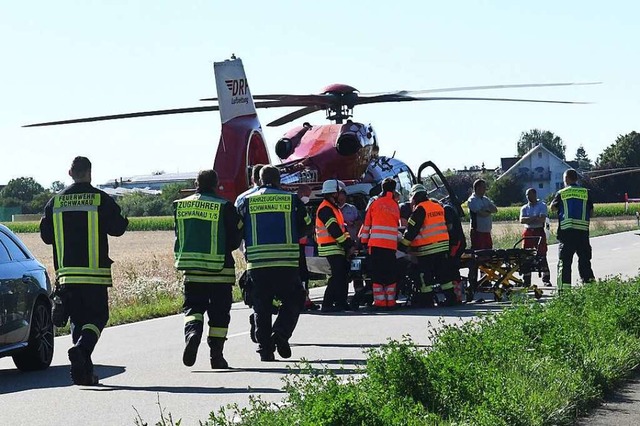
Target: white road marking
238, 334
616, 249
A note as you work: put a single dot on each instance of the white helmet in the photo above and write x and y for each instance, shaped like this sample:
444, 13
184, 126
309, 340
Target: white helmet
333, 186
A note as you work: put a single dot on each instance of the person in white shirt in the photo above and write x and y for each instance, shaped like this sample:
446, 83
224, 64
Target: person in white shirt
534, 216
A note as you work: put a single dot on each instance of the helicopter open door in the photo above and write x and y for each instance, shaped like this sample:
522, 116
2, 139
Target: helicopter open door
437, 185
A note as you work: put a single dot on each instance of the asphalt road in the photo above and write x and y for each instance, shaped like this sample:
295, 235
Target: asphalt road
142, 373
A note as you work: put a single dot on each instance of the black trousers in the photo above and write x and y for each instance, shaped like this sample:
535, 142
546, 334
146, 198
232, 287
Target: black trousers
384, 269
282, 283
337, 284
573, 241
435, 268
88, 306
213, 298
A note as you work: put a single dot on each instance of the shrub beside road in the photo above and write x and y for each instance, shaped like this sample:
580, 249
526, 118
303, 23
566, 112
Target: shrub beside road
532, 364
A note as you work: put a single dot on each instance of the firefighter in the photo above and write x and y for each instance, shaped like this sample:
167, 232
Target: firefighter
334, 243
428, 238
77, 221
206, 228
273, 221
380, 234
574, 207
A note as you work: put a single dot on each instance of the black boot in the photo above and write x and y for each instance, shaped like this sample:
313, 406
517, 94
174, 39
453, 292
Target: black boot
81, 367
217, 359
192, 341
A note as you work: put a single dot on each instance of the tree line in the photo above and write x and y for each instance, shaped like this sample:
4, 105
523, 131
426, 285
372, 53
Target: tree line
598, 176
31, 197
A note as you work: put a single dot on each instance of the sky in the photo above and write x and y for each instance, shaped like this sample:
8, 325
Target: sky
71, 59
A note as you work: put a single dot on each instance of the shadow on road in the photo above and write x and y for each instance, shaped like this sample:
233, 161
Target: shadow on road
183, 389
285, 370
467, 310
347, 345
53, 377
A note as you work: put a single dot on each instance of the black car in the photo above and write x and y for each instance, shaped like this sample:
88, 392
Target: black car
26, 328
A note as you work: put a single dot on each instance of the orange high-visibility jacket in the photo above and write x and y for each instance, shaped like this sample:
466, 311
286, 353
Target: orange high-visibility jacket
327, 243
380, 227
427, 229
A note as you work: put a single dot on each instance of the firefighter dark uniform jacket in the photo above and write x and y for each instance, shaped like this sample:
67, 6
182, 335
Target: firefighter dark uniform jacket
206, 233
574, 208
273, 221
380, 227
331, 231
427, 230
77, 221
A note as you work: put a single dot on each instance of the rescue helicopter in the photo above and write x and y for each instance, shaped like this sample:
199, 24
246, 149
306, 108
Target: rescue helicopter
308, 154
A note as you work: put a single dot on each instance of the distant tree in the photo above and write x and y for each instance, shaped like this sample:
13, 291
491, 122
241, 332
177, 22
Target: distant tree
138, 204
23, 189
584, 162
37, 203
56, 186
462, 184
171, 192
530, 139
624, 152
506, 191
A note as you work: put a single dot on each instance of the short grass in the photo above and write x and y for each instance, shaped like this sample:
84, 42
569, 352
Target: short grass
532, 364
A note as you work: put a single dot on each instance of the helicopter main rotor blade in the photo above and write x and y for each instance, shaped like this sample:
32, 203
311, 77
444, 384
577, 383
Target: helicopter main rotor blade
155, 113
293, 100
468, 88
127, 115
294, 115
401, 98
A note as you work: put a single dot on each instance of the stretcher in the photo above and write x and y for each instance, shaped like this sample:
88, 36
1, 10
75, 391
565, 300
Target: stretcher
502, 270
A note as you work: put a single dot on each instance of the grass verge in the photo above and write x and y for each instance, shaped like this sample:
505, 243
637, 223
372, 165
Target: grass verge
532, 364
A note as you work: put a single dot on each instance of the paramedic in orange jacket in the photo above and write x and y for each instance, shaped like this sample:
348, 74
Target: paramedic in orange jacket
428, 238
380, 234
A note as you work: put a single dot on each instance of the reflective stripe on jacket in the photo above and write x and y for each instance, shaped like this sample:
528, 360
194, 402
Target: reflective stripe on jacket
327, 244
380, 227
200, 233
427, 230
573, 212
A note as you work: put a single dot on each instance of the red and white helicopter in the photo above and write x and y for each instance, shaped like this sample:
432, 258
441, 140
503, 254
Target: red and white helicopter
309, 153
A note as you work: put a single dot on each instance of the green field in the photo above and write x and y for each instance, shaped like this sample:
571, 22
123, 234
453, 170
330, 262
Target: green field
165, 223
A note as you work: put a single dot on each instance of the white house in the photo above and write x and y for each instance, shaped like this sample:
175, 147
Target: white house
540, 169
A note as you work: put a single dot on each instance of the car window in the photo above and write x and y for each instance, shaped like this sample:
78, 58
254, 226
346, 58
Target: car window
15, 252
4, 254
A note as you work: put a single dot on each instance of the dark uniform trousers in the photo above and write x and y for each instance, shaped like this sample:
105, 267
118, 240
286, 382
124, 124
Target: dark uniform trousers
337, 284
384, 269
213, 298
284, 284
574, 241
88, 306
434, 268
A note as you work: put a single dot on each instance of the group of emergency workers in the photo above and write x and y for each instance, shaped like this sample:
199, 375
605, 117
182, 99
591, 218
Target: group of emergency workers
271, 225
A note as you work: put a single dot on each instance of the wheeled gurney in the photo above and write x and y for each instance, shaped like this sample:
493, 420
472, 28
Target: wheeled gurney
498, 269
